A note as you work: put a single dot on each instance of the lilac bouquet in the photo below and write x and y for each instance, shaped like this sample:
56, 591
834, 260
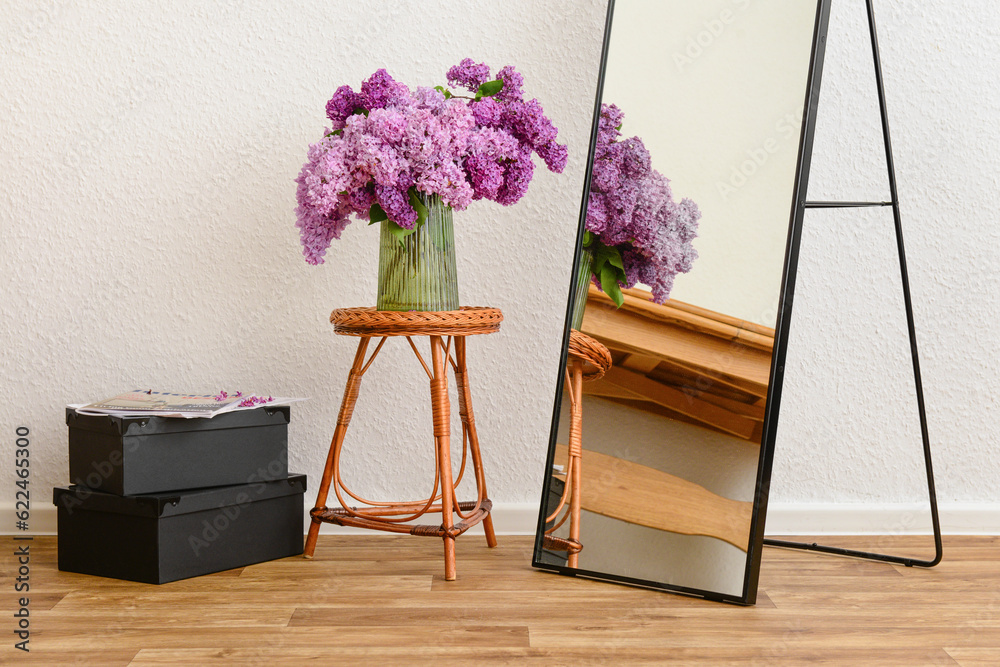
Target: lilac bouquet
634, 229
390, 149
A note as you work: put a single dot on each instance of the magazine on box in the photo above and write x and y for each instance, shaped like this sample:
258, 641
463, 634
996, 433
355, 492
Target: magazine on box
168, 404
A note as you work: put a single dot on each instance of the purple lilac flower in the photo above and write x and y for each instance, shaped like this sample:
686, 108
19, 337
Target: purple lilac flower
429, 98
458, 149
555, 156
516, 178
513, 84
529, 124
597, 215
487, 112
381, 90
607, 130
341, 105
317, 232
508, 115
490, 151
361, 199
254, 400
631, 208
469, 75
320, 213
448, 182
397, 206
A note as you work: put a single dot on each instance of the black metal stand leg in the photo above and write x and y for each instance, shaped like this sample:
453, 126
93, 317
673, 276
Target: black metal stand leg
938, 552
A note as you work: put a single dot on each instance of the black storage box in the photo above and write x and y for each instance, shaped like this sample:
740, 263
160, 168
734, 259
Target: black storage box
168, 536
138, 455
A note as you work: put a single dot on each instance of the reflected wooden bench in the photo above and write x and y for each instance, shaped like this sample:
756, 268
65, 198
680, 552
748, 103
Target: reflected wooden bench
638, 494
683, 362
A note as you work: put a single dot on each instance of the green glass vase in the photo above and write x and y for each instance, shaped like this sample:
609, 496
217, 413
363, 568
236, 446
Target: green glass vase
419, 273
583, 277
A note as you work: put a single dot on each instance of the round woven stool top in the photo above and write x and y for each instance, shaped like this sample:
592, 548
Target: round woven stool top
466, 321
596, 358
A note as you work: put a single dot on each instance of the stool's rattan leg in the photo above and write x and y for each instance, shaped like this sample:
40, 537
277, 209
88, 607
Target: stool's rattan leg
491, 536
575, 456
343, 419
465, 410
442, 440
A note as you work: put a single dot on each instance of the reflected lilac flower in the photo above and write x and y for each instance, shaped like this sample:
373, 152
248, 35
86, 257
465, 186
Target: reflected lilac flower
631, 209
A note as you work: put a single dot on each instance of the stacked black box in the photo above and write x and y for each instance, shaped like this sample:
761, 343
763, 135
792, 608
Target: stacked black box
158, 499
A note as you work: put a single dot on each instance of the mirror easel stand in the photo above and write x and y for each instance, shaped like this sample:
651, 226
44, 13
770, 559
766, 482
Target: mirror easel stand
894, 204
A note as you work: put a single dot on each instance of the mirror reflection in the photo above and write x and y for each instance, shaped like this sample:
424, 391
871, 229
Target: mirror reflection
658, 444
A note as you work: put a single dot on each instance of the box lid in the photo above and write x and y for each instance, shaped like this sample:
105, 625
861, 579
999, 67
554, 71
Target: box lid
145, 425
160, 505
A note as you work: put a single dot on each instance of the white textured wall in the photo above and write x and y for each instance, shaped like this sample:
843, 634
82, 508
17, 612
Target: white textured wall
848, 428
146, 204
148, 155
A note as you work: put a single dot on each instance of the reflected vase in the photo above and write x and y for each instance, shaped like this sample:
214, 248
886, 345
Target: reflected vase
419, 273
583, 277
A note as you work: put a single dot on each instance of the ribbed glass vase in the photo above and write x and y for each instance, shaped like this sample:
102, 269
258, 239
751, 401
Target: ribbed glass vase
582, 285
420, 273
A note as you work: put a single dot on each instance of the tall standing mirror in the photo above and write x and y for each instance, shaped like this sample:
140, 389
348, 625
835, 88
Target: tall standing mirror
664, 427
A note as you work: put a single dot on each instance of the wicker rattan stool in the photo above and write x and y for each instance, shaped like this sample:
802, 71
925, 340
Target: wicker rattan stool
446, 330
587, 360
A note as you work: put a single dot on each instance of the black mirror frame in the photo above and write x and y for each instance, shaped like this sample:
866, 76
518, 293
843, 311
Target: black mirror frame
763, 482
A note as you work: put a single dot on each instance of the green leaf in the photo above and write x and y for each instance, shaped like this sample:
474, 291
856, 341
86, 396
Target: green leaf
602, 255
489, 89
609, 283
615, 259
360, 110
598, 264
376, 214
399, 232
607, 267
418, 206
588, 238
444, 91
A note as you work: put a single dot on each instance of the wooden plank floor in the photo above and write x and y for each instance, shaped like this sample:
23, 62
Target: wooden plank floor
383, 600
